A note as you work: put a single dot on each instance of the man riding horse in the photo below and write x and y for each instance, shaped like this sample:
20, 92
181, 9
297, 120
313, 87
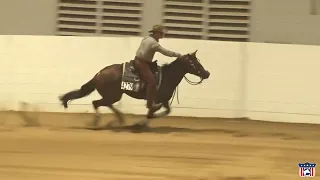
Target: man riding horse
144, 56
109, 80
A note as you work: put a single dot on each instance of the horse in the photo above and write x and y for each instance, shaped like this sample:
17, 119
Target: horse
114, 80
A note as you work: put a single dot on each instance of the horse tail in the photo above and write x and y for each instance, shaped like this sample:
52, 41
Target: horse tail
85, 90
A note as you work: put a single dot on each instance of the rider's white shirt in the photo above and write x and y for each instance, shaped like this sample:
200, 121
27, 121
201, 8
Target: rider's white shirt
149, 46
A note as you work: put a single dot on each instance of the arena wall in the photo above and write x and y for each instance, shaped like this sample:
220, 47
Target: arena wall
272, 82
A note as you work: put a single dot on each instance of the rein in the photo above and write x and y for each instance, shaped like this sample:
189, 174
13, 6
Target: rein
177, 88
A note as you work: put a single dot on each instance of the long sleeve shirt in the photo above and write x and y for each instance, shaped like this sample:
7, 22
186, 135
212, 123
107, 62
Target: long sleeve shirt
149, 46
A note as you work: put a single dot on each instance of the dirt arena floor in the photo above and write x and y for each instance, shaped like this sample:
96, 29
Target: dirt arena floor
49, 146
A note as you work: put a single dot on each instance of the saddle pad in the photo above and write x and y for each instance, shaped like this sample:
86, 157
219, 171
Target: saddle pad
132, 82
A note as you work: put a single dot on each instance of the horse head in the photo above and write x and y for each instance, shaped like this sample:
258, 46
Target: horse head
193, 65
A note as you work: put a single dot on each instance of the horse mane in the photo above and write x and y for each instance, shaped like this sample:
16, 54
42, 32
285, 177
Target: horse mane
168, 64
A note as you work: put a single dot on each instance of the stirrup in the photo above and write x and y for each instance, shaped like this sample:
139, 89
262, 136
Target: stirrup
155, 106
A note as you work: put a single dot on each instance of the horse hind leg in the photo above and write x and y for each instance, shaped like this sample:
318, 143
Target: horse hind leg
119, 115
108, 102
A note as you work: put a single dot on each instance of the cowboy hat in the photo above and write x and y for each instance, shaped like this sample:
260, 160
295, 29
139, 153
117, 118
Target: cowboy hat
158, 28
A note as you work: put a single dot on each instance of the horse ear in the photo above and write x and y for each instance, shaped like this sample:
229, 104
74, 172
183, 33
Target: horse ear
195, 53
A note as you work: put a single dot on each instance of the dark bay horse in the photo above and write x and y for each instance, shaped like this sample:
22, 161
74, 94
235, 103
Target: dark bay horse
114, 80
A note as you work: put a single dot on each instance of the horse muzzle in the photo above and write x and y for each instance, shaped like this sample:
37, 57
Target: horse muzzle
205, 75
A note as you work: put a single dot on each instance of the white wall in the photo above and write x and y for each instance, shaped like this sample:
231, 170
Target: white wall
283, 82
260, 81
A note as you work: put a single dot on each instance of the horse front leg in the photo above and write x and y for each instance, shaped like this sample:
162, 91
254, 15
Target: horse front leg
164, 113
151, 115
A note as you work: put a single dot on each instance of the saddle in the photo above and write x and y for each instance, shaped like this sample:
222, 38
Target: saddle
131, 77
152, 65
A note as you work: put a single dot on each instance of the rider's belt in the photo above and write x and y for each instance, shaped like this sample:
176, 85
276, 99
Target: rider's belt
140, 59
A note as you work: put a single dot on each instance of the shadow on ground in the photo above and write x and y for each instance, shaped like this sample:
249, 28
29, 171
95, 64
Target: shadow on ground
158, 130
170, 129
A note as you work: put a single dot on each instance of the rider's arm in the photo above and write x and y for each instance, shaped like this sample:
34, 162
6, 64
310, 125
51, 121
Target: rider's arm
164, 51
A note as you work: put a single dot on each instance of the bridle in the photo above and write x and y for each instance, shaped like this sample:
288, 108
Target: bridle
188, 81
192, 83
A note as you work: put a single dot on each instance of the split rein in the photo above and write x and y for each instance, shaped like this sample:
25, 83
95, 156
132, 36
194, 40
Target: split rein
177, 89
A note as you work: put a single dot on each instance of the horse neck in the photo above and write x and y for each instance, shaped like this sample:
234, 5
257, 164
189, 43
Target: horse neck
173, 73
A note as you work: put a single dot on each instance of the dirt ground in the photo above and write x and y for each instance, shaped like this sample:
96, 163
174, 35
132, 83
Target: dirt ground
51, 146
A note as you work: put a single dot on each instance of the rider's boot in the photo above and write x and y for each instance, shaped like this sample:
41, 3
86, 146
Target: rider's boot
151, 93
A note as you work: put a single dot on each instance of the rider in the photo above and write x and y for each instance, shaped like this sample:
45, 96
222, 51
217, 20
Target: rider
144, 56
